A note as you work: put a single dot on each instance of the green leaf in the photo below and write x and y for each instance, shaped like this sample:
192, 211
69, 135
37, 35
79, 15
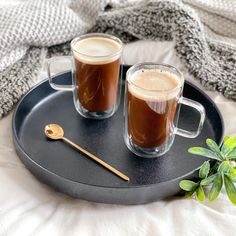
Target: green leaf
189, 194
231, 155
200, 194
224, 167
188, 185
204, 171
208, 180
232, 174
228, 145
203, 152
214, 147
216, 187
230, 189
226, 137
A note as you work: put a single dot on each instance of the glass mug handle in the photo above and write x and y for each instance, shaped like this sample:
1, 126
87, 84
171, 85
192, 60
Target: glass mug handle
200, 109
52, 60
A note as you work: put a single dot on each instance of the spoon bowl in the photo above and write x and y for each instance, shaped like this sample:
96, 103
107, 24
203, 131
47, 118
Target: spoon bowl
54, 131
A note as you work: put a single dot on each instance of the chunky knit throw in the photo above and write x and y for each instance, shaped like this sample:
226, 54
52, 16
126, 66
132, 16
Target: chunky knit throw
28, 30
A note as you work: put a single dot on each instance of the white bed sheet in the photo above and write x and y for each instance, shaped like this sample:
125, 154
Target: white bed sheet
29, 207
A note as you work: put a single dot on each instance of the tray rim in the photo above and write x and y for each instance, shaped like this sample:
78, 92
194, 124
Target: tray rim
18, 145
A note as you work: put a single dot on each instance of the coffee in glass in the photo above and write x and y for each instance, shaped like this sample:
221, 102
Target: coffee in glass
96, 74
153, 92
97, 64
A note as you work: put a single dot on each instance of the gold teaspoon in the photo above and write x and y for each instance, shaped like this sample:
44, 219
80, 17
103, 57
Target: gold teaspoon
56, 132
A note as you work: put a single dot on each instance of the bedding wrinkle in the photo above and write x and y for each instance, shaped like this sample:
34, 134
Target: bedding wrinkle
13, 165
46, 220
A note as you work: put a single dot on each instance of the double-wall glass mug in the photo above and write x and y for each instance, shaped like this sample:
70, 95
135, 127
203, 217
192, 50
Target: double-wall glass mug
152, 94
96, 84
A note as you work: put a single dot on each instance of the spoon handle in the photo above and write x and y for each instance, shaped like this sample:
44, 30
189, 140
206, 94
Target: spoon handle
101, 162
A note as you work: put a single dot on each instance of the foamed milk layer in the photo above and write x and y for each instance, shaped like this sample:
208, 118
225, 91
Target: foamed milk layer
160, 85
96, 50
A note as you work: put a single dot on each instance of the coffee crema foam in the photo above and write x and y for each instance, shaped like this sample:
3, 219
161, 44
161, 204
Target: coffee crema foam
159, 85
96, 50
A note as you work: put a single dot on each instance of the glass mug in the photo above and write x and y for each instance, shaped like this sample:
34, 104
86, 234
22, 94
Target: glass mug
152, 94
96, 84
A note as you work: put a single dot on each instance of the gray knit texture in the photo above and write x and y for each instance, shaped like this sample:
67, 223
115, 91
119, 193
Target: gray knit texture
212, 63
27, 30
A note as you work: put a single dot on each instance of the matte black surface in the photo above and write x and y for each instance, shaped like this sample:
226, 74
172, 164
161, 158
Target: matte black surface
64, 168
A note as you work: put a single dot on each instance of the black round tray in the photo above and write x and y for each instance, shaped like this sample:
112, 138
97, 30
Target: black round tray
69, 171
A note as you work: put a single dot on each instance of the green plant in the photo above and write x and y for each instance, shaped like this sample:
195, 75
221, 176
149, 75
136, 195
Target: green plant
218, 171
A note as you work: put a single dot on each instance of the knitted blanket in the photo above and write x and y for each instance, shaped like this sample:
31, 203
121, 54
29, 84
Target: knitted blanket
31, 28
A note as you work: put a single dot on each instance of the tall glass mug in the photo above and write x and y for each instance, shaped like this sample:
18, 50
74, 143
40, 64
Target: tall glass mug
95, 74
153, 92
